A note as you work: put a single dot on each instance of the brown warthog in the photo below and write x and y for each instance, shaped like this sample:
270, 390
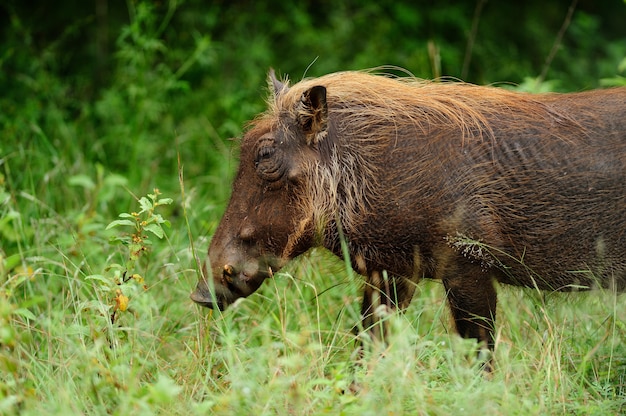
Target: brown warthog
440, 180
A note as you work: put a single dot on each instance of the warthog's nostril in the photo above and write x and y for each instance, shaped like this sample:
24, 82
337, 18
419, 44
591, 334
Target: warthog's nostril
228, 272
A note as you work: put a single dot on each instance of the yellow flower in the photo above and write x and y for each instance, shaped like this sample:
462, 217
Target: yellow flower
121, 301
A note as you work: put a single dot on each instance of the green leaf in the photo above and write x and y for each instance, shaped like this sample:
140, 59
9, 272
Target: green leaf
157, 218
99, 278
12, 261
25, 313
120, 222
165, 201
81, 180
155, 229
12, 228
164, 390
115, 180
130, 264
145, 204
114, 266
4, 196
114, 239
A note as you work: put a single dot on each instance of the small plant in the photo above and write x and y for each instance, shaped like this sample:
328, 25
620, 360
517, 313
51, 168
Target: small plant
143, 223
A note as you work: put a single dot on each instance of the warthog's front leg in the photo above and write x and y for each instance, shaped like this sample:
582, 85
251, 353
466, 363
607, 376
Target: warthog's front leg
382, 295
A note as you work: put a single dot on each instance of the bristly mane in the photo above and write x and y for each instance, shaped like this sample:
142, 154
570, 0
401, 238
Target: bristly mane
363, 98
368, 113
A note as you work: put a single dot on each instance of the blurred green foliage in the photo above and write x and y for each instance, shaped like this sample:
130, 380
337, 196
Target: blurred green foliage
124, 73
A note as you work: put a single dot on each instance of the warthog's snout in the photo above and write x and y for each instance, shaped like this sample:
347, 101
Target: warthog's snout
230, 283
202, 296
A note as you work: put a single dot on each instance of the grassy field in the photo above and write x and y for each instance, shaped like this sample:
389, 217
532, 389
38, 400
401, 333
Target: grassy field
89, 325
96, 319
286, 350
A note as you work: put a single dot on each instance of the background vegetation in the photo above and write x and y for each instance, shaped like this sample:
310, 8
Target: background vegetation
103, 102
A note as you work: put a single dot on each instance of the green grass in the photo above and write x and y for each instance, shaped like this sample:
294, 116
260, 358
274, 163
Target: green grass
69, 166
287, 349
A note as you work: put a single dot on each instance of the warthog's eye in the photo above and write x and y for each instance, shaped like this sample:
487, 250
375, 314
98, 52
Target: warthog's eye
264, 153
267, 164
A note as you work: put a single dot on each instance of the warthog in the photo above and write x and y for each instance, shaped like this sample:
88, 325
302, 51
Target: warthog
440, 180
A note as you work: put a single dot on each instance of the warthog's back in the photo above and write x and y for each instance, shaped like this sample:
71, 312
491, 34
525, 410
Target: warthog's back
536, 189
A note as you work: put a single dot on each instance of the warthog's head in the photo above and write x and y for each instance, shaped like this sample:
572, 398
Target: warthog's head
268, 220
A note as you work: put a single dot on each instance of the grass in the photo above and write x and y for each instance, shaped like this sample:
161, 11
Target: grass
88, 326
288, 349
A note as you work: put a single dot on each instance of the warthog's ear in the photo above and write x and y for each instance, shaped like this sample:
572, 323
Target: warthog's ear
278, 87
313, 114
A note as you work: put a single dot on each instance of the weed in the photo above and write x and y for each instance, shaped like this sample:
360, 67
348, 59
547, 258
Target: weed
136, 243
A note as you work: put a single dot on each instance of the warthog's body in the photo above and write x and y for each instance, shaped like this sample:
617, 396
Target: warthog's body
448, 181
